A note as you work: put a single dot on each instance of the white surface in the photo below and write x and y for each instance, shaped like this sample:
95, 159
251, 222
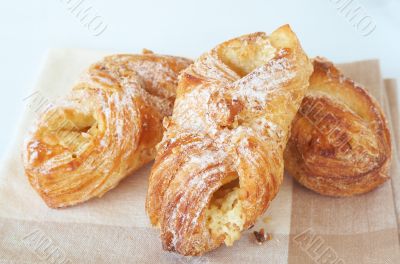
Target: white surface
188, 28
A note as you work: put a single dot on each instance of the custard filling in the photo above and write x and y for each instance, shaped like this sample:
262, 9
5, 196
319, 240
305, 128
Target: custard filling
224, 213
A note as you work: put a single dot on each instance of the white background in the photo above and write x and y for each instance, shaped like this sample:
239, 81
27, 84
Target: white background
187, 28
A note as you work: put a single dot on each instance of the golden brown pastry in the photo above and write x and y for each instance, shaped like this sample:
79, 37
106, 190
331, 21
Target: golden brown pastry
340, 142
220, 162
105, 129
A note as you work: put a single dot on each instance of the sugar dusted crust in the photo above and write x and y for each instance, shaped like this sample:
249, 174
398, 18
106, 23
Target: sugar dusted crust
340, 142
106, 128
220, 162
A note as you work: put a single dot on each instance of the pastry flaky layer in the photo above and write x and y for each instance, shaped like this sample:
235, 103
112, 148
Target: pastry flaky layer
220, 162
340, 142
107, 127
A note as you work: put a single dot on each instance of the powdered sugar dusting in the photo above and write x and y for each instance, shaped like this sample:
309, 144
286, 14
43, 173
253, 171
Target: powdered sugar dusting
256, 87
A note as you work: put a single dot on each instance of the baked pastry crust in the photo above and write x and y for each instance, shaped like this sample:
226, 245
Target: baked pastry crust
106, 128
220, 162
340, 141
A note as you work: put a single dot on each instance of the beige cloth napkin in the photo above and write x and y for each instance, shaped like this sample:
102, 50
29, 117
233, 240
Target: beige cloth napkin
306, 227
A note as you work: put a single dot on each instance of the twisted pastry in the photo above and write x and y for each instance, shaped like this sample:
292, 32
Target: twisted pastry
340, 142
106, 128
220, 162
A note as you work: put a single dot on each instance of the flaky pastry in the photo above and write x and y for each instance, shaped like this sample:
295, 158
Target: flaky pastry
340, 142
220, 162
107, 127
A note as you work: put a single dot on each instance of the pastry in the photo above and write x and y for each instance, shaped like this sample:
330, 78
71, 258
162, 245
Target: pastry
220, 162
106, 128
340, 142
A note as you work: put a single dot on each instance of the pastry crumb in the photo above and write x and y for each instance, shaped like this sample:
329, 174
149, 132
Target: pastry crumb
267, 219
261, 236
147, 51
